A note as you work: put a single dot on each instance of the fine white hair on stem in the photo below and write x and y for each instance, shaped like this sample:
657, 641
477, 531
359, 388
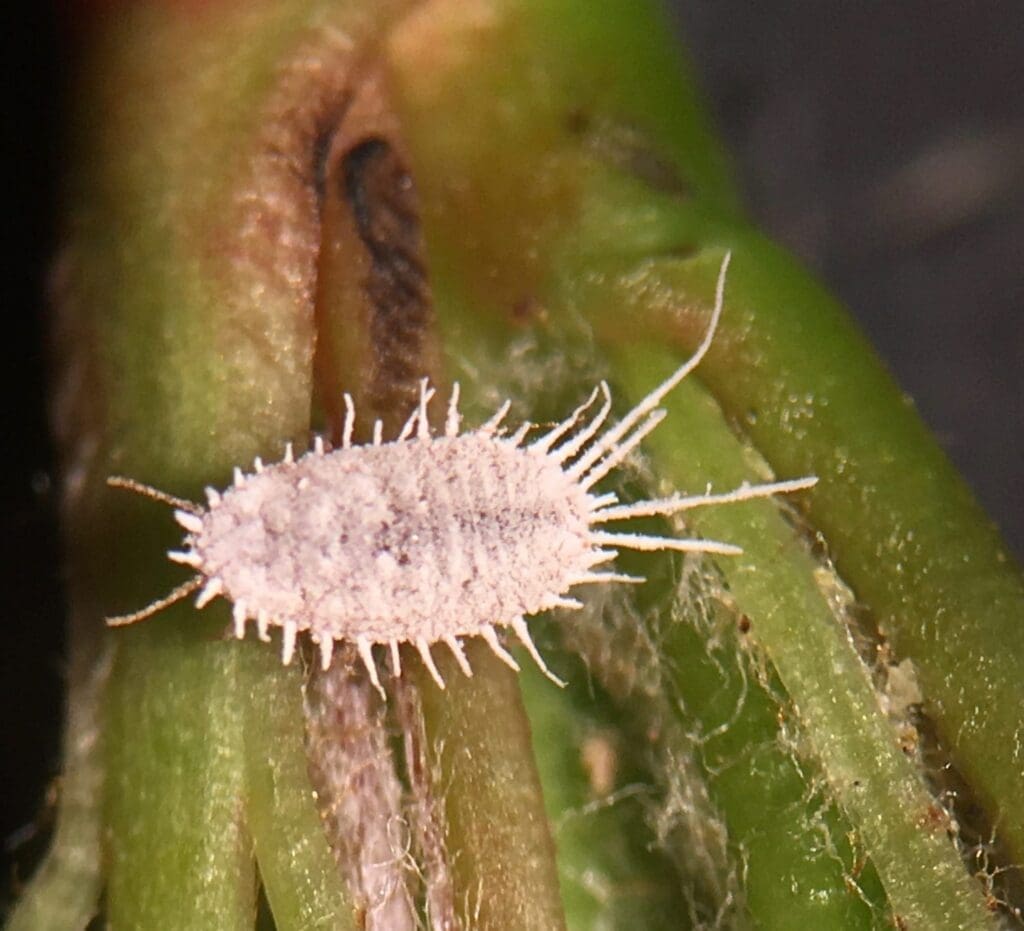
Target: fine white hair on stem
425, 539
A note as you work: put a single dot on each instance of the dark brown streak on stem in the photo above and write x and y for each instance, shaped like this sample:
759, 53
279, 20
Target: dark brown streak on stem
380, 190
374, 307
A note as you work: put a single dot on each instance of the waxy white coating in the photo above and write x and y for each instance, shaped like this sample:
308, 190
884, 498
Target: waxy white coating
400, 541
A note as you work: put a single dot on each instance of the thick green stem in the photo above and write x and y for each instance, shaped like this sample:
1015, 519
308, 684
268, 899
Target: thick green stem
300, 876
497, 836
175, 784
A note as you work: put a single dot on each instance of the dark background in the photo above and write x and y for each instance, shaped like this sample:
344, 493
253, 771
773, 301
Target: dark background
882, 142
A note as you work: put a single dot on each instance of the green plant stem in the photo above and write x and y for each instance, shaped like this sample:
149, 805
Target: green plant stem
501, 856
902, 527
175, 783
778, 587
725, 764
603, 788
300, 876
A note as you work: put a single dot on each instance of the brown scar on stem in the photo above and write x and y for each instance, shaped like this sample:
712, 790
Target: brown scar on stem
374, 308
380, 191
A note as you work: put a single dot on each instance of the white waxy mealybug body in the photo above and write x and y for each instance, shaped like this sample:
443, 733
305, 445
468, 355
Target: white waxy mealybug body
428, 539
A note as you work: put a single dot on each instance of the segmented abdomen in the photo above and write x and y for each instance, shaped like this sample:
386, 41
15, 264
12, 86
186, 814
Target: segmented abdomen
400, 541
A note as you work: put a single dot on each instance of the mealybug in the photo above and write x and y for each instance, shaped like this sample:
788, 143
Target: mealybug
427, 539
